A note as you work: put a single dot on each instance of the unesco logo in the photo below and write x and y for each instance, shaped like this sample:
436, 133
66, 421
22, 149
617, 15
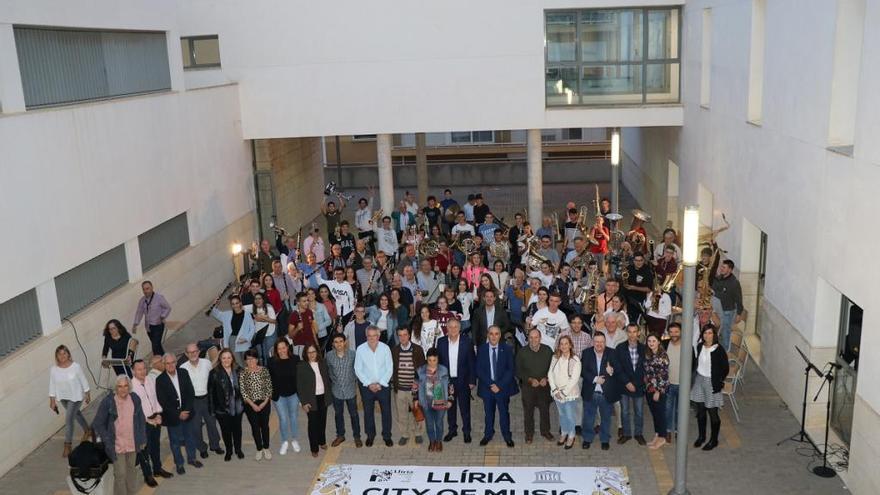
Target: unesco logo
548, 477
389, 475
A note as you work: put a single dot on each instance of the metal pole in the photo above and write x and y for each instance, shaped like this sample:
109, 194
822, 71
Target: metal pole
684, 388
338, 166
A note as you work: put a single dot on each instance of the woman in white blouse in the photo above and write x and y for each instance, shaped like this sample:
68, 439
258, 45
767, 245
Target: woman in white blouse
565, 370
499, 277
426, 331
466, 299
68, 385
264, 323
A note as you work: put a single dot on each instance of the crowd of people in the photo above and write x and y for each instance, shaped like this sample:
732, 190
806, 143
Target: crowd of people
416, 311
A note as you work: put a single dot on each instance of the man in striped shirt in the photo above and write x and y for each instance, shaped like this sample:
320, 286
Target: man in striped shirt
407, 358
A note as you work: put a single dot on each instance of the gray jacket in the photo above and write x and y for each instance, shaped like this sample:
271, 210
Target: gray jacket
105, 419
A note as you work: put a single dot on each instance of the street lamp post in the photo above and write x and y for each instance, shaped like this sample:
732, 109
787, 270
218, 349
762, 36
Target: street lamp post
690, 235
615, 170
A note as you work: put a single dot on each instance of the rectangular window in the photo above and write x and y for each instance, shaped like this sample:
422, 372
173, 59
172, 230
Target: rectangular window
573, 134
19, 322
756, 62
63, 66
474, 137
363, 137
612, 56
849, 30
200, 52
163, 241
706, 58
846, 379
88, 282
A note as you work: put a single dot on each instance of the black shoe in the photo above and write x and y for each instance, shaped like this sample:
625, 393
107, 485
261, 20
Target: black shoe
449, 436
203, 454
151, 482
389, 442
467, 438
239, 454
227, 457
162, 473
606, 445
485, 441
585, 445
711, 444
358, 443
217, 451
578, 430
699, 441
509, 443
641, 440
181, 470
369, 441
195, 464
623, 439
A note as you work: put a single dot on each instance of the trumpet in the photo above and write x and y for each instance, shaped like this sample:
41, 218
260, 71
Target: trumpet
377, 215
279, 230
669, 281
331, 188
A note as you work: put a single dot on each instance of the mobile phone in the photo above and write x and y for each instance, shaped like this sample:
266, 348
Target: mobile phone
56, 410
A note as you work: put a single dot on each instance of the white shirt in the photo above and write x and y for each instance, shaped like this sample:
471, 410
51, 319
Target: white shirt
412, 207
611, 341
658, 251
258, 325
466, 299
468, 210
704, 360
546, 280
664, 306
386, 240
430, 333
382, 322
466, 228
319, 380
342, 292
68, 383
550, 324
175, 380
453, 357
598, 388
198, 374
362, 217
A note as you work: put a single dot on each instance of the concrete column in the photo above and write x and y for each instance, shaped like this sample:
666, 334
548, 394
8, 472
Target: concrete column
133, 260
421, 169
47, 302
535, 177
11, 92
386, 176
175, 60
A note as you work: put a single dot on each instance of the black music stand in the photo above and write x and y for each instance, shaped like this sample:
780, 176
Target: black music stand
801, 436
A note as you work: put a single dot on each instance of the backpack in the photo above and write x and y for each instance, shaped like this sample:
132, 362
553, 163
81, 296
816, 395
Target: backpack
88, 463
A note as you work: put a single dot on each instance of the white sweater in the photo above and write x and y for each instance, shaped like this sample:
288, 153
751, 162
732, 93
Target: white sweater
563, 377
68, 383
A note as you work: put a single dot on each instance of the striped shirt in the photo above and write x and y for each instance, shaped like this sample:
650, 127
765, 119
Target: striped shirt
342, 377
580, 340
405, 369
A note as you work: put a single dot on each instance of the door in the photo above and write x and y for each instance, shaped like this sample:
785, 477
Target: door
848, 345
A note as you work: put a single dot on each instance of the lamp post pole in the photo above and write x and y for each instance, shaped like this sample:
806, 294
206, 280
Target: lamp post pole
689, 259
615, 171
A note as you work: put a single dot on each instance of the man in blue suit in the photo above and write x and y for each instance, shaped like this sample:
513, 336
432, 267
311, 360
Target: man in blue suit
457, 354
598, 366
497, 384
631, 380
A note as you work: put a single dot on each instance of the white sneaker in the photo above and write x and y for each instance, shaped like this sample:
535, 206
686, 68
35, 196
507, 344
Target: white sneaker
259, 455
295, 445
267, 454
283, 450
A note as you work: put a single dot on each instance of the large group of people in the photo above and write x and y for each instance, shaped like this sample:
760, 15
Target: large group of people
416, 311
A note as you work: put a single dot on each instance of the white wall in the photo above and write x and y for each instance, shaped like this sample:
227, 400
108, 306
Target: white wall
352, 67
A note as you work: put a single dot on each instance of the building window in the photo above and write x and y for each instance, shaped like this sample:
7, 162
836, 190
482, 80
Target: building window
475, 137
363, 137
90, 281
612, 57
19, 321
846, 70
64, 66
573, 134
756, 62
706, 59
163, 241
848, 346
200, 52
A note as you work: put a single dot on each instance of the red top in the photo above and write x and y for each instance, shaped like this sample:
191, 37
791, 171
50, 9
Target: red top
601, 235
274, 298
441, 261
305, 336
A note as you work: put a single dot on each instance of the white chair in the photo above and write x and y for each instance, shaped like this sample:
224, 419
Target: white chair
730, 385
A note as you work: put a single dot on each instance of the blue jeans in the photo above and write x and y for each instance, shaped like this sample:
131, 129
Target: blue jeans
628, 405
265, 348
597, 401
567, 416
434, 423
339, 415
672, 409
183, 435
369, 398
727, 318
288, 412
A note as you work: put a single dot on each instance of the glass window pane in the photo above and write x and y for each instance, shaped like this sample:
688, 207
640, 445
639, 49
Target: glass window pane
561, 86
184, 51
483, 137
662, 83
662, 34
611, 35
561, 37
602, 84
207, 51
461, 137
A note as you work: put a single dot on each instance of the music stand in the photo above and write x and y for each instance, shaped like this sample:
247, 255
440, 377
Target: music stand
801, 436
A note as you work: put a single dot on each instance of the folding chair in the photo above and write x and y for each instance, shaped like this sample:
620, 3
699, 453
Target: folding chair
730, 385
742, 356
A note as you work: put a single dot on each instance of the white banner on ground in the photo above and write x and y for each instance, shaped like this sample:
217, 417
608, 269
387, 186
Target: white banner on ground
350, 479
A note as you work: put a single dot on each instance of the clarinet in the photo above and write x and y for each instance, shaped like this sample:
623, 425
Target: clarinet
213, 304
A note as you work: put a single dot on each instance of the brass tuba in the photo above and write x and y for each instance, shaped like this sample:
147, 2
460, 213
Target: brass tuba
535, 259
465, 245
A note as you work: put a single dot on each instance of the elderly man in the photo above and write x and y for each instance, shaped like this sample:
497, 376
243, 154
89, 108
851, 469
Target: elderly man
120, 424
598, 390
497, 384
199, 369
614, 333
457, 355
532, 366
429, 283
144, 386
154, 309
174, 390
370, 280
373, 366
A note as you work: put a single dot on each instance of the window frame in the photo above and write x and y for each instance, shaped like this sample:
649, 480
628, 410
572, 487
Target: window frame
192, 51
643, 63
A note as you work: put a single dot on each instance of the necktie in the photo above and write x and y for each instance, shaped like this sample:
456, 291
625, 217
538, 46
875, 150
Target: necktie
494, 361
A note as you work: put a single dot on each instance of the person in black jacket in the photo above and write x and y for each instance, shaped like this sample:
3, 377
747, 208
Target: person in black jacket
174, 391
599, 390
313, 387
479, 321
711, 366
224, 401
631, 378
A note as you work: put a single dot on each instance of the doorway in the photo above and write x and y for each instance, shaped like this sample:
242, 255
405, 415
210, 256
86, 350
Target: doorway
848, 345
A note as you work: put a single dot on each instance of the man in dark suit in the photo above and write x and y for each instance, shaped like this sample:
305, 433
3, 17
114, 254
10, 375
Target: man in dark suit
174, 391
497, 384
631, 380
486, 315
462, 376
598, 366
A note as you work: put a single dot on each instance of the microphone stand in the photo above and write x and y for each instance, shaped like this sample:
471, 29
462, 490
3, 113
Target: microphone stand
824, 471
801, 436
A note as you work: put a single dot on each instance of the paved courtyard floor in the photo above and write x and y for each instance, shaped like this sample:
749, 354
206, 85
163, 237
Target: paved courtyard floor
747, 460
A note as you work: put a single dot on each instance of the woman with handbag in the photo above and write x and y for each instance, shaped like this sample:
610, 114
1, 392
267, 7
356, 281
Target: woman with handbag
433, 398
313, 387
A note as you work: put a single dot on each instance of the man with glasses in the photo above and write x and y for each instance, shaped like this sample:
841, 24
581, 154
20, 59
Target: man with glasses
373, 366
175, 393
199, 369
154, 309
496, 385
